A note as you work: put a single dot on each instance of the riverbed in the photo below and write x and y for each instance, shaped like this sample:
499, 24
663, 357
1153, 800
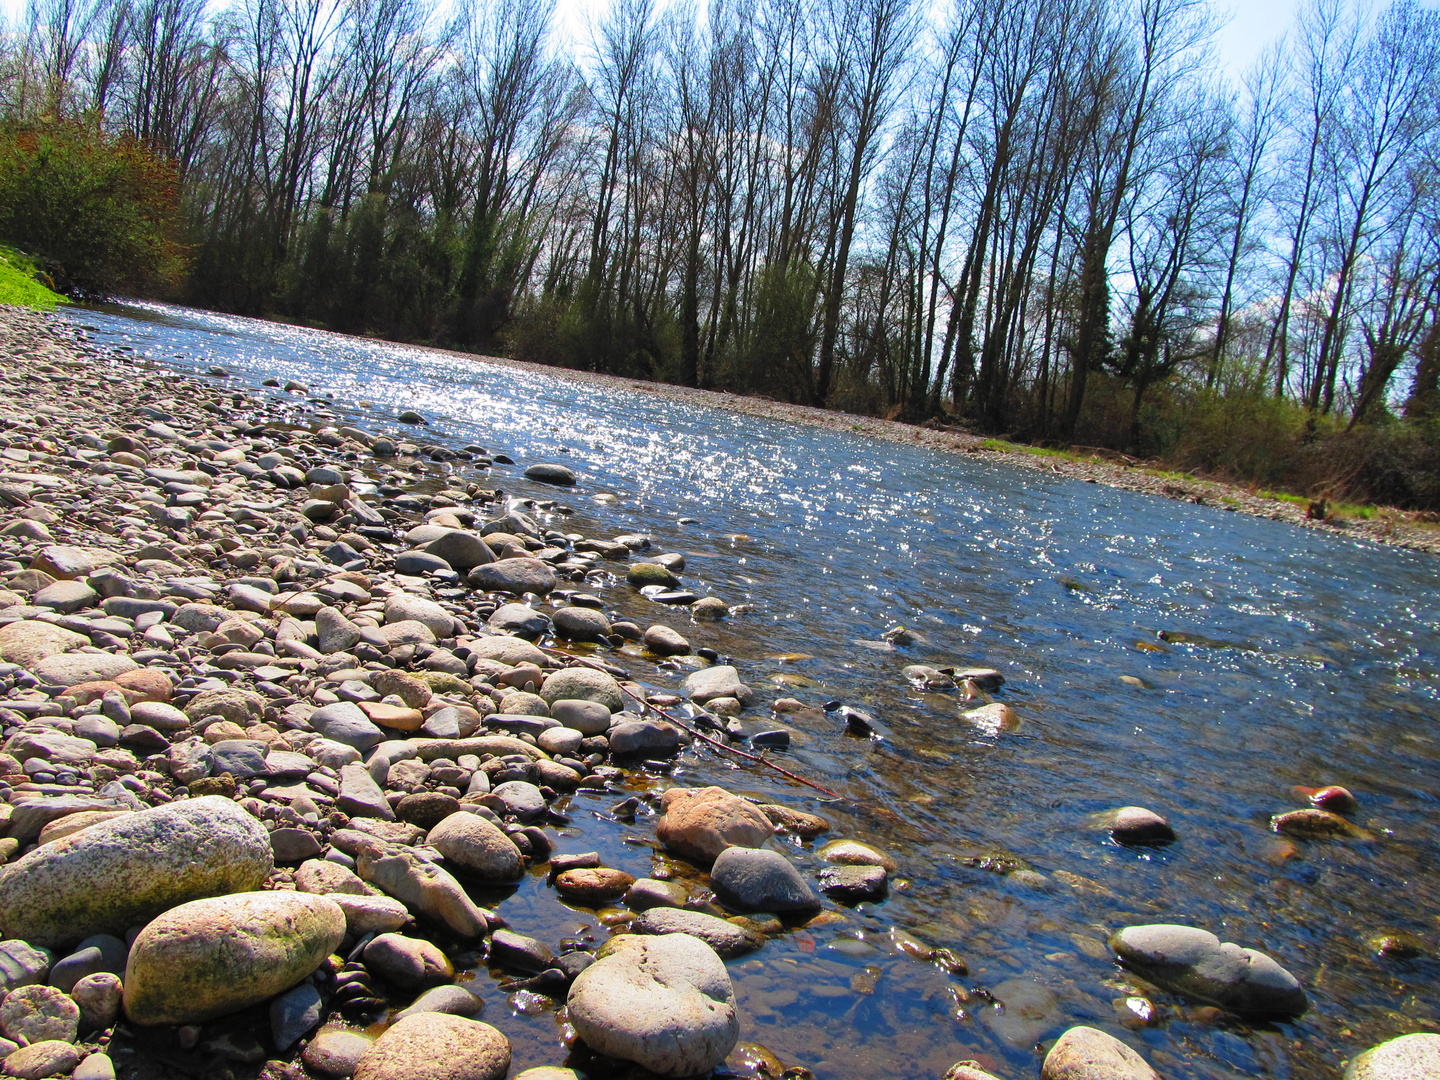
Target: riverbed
1179, 657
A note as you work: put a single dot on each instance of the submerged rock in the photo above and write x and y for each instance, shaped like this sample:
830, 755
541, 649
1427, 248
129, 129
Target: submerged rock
1195, 963
1136, 826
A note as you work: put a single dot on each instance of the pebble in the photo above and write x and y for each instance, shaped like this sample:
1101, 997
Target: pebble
409, 963
1138, 827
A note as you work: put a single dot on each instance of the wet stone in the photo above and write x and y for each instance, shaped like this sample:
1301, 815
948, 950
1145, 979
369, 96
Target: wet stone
854, 884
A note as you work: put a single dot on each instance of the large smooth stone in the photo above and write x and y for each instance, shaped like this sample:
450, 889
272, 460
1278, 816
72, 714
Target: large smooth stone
67, 562
507, 650
344, 723
586, 717
50, 1057
722, 680
701, 823
407, 962
550, 473
757, 879
517, 576
127, 870
1086, 1053
436, 1046
74, 668
1195, 963
211, 957
583, 684
426, 889
404, 607
519, 619
1410, 1057
371, 914
727, 939
580, 624
29, 641
473, 845
462, 550
665, 1003
336, 1051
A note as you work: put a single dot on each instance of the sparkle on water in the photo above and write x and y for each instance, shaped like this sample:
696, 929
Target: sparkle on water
1295, 659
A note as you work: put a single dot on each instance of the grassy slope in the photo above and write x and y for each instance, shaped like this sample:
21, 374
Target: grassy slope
19, 287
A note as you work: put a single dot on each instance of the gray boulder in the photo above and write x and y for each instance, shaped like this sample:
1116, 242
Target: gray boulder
128, 869
727, 939
550, 473
719, 681
583, 684
1195, 963
514, 575
520, 620
344, 723
462, 550
216, 956
403, 607
665, 1003
757, 879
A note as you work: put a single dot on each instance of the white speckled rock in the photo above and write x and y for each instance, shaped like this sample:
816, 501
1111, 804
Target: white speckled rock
664, 1002
129, 869
211, 957
1410, 1057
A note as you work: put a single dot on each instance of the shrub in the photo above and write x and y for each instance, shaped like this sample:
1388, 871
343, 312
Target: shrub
100, 213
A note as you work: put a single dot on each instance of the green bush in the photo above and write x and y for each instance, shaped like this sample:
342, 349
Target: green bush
100, 213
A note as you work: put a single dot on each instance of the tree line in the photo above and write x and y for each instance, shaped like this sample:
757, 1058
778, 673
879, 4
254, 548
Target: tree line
1053, 219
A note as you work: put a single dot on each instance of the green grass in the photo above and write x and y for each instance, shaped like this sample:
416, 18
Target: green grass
1038, 451
18, 285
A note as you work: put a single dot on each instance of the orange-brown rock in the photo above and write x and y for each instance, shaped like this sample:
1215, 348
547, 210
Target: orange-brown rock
701, 823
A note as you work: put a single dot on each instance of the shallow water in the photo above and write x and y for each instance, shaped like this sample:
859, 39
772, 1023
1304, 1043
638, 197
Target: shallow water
1315, 660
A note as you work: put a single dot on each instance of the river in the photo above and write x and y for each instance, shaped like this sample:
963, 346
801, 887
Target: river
1301, 659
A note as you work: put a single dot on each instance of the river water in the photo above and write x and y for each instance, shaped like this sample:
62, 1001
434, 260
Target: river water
1308, 659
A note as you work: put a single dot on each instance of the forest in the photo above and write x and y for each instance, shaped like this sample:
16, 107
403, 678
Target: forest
1057, 221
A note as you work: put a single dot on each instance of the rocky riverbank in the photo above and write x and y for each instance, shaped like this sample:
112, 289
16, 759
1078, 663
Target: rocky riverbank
280, 701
